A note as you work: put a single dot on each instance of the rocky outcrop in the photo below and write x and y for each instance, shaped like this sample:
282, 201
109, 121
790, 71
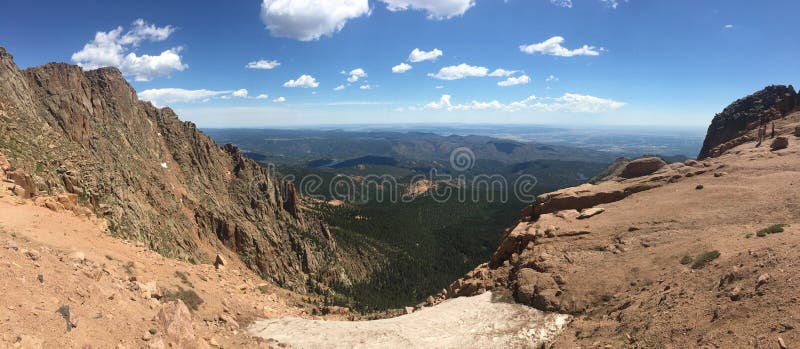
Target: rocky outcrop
779, 143
642, 167
153, 177
611, 171
745, 114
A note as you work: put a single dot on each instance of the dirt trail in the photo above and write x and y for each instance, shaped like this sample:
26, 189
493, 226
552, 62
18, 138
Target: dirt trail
484, 321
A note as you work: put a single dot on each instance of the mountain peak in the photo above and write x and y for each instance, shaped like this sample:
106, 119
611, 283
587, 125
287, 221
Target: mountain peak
745, 114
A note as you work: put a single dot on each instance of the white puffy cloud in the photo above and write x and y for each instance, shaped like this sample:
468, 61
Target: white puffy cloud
502, 73
551, 78
513, 81
113, 49
443, 103
418, 55
340, 87
262, 96
562, 3
552, 47
436, 9
728, 26
241, 93
308, 20
263, 64
279, 100
365, 87
356, 74
304, 81
163, 96
463, 70
401, 68
569, 102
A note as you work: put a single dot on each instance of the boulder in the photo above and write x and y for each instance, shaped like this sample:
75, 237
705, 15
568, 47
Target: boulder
642, 167
797, 131
150, 290
175, 321
537, 289
591, 212
779, 143
220, 262
23, 181
515, 241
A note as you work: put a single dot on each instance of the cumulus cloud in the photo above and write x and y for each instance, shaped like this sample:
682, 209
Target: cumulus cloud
513, 81
279, 100
262, 96
502, 73
443, 103
365, 87
163, 96
340, 87
461, 71
356, 74
728, 26
304, 81
569, 102
551, 78
562, 3
553, 47
418, 55
242, 93
308, 20
263, 64
436, 9
401, 68
114, 49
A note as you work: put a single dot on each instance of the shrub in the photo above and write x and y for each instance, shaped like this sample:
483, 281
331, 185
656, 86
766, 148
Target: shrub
704, 258
686, 260
189, 297
699, 187
773, 229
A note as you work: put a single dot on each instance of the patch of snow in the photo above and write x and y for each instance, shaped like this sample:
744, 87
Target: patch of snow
484, 321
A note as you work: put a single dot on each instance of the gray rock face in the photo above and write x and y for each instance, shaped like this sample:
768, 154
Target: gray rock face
155, 178
745, 114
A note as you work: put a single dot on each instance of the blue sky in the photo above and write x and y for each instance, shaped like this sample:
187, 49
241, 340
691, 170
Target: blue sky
592, 62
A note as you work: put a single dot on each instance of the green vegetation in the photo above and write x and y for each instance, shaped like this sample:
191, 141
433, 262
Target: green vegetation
189, 297
686, 260
773, 229
699, 187
704, 258
184, 278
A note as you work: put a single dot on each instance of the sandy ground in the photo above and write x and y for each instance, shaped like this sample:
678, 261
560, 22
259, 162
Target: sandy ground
50, 260
484, 321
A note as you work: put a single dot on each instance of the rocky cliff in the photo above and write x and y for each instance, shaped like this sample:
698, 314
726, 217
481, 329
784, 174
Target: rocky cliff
654, 255
154, 178
746, 114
